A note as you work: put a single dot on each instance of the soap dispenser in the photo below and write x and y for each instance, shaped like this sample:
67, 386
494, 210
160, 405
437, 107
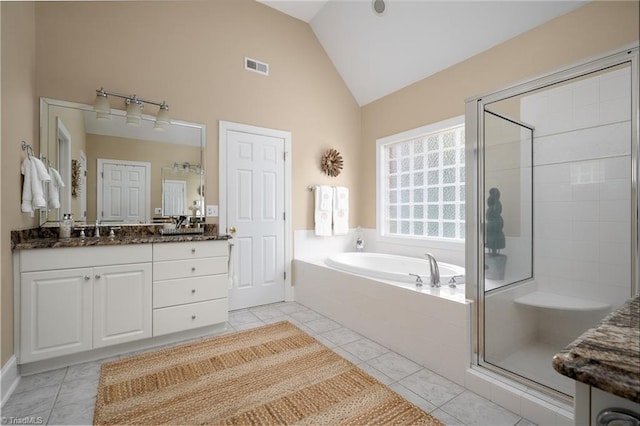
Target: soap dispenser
66, 224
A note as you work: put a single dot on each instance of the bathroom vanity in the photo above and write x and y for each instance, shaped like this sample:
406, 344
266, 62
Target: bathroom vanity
605, 362
93, 297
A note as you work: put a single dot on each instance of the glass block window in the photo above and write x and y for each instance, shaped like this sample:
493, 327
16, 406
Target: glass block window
422, 179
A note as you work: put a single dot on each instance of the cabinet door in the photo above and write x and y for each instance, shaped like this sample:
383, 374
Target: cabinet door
122, 303
55, 313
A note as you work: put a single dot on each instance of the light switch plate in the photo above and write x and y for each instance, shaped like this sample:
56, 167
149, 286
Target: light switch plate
212, 210
157, 210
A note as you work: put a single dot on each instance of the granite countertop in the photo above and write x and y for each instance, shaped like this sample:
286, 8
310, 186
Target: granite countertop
608, 356
143, 234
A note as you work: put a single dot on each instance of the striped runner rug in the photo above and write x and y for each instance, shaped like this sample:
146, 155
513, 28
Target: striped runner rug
272, 375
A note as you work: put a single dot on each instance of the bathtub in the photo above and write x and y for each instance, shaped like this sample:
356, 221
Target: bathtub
392, 267
430, 326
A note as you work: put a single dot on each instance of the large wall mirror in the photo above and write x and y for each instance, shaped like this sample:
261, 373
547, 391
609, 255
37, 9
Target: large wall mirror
118, 173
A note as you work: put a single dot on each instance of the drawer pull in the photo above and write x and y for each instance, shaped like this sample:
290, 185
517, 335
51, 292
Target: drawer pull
193, 291
193, 269
97, 277
193, 317
193, 251
87, 277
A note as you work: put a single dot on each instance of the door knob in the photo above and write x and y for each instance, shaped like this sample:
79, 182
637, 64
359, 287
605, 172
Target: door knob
232, 229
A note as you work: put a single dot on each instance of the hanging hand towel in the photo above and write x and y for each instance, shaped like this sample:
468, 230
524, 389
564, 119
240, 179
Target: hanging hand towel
340, 210
323, 209
39, 175
54, 189
28, 171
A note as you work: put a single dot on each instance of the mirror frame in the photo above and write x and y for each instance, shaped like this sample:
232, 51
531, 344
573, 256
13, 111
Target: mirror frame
46, 103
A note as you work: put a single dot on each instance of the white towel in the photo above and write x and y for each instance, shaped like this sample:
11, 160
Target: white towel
340, 210
28, 171
38, 177
54, 189
35, 174
323, 210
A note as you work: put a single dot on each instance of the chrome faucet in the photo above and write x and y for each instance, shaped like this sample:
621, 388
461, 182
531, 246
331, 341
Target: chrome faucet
97, 229
418, 279
433, 270
453, 282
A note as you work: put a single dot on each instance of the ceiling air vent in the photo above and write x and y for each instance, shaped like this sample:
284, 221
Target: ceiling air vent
256, 66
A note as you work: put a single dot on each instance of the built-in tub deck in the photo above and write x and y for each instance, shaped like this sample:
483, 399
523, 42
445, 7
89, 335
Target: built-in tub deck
430, 326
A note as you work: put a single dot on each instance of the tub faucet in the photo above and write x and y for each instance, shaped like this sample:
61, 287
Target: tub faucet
418, 279
433, 270
453, 282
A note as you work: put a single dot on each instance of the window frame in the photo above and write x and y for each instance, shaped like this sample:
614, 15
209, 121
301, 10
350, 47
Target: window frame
410, 240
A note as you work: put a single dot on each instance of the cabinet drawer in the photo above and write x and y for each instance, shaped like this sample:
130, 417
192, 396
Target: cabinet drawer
189, 268
189, 290
192, 315
190, 250
82, 257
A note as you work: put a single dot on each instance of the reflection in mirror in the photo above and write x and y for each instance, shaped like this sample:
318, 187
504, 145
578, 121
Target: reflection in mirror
114, 172
181, 190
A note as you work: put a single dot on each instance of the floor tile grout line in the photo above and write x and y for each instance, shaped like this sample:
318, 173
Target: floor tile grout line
55, 398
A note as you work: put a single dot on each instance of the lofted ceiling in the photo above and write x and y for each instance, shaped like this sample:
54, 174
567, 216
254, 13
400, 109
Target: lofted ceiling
379, 54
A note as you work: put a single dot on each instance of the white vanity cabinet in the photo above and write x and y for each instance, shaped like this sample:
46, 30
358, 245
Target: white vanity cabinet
190, 285
81, 298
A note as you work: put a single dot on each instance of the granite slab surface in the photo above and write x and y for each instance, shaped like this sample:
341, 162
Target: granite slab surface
36, 238
608, 356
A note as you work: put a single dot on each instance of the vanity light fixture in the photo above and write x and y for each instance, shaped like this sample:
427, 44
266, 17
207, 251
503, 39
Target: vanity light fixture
162, 119
134, 110
186, 167
135, 105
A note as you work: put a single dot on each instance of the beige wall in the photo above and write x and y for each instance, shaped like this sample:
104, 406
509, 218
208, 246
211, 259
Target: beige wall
590, 30
191, 55
19, 122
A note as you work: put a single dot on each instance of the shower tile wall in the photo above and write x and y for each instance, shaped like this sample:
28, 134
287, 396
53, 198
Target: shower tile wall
582, 187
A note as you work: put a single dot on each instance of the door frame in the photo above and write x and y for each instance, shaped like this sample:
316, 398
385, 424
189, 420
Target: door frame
100, 177
223, 129
63, 142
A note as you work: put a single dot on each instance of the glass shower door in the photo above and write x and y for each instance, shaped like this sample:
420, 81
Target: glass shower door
568, 207
508, 201
507, 207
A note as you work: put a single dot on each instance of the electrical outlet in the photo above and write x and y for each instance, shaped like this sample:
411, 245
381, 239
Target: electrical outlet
212, 211
157, 210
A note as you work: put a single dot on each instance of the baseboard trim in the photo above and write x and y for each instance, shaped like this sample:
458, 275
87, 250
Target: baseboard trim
9, 379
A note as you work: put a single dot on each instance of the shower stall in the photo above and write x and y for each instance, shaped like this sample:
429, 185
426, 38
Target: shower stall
554, 247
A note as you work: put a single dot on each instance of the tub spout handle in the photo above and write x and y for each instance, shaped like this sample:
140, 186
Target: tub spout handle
434, 270
453, 282
418, 279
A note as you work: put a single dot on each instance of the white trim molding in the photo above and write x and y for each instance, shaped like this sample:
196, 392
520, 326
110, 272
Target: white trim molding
9, 379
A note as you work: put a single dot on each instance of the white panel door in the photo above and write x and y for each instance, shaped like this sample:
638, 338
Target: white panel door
174, 193
56, 312
122, 303
255, 208
124, 190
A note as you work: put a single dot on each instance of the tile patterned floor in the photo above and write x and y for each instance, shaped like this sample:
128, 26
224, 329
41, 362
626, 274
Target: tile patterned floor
67, 396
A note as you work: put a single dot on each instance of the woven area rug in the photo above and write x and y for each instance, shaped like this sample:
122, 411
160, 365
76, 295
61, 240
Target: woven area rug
271, 375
